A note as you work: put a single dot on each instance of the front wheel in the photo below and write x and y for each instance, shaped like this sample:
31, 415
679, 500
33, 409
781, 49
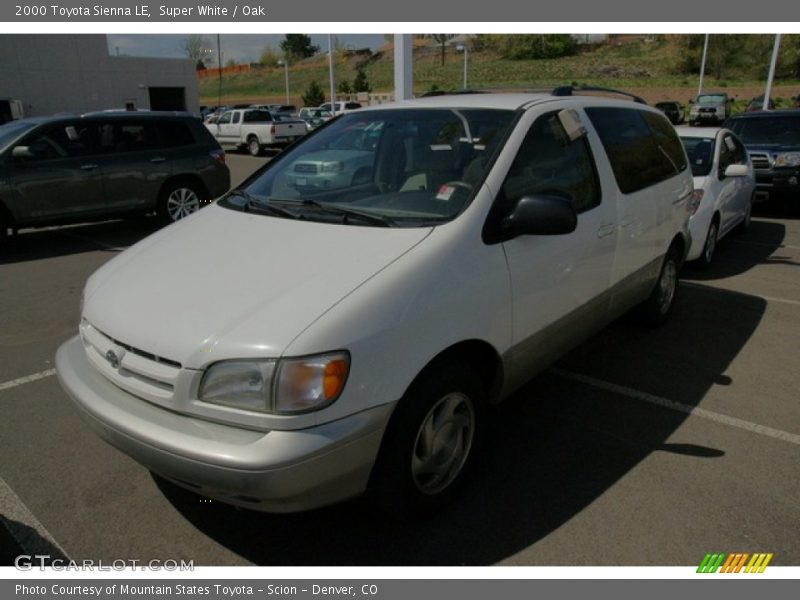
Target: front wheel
430, 442
178, 200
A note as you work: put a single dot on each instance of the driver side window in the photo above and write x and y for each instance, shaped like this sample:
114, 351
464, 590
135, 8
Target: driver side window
549, 163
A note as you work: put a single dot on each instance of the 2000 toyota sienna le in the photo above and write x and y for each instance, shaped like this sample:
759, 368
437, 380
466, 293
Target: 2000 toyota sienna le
293, 346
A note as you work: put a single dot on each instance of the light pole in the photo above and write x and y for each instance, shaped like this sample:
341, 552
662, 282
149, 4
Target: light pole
463, 48
330, 74
285, 65
703, 66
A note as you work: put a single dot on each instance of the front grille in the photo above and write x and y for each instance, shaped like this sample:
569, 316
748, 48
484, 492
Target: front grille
761, 161
135, 370
305, 168
142, 353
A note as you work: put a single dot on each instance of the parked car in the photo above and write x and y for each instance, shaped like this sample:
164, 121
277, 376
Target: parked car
710, 108
724, 186
350, 337
77, 168
772, 139
314, 117
346, 162
673, 110
757, 103
254, 130
277, 109
341, 107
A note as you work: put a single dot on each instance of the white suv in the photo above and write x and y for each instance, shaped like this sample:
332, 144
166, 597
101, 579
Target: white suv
293, 345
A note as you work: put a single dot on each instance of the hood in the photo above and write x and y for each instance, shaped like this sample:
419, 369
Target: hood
225, 284
773, 148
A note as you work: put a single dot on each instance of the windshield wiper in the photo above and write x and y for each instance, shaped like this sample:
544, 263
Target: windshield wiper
255, 204
350, 212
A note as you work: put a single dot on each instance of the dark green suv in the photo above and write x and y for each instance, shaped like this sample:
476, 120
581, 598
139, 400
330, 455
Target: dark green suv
68, 169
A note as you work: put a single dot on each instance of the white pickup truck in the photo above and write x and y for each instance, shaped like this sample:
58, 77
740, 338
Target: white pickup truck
255, 130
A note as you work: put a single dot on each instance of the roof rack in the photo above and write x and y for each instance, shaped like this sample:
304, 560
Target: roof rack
450, 93
569, 90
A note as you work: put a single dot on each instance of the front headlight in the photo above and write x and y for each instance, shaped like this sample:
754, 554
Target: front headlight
239, 384
788, 159
287, 386
332, 167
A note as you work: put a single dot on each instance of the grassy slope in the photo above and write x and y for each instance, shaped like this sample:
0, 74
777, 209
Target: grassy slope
637, 65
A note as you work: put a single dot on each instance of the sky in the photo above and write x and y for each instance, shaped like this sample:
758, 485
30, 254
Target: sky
239, 47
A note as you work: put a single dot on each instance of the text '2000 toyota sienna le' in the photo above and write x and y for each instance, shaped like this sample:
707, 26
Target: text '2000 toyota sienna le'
339, 323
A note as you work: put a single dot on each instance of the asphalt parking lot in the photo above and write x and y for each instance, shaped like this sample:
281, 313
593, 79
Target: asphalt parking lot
641, 447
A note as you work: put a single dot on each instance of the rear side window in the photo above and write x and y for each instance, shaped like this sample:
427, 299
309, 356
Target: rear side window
257, 116
175, 134
667, 140
549, 163
636, 157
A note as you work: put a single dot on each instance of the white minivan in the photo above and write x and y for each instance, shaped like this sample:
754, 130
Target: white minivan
292, 345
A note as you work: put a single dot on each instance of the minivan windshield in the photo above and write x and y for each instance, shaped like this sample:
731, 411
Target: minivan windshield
395, 168
783, 130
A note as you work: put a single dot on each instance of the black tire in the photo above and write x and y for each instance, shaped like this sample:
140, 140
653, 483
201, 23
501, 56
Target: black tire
710, 245
426, 456
178, 200
656, 309
744, 226
3, 231
253, 146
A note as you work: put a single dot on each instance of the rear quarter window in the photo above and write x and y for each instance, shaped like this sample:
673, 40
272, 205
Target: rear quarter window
176, 133
637, 158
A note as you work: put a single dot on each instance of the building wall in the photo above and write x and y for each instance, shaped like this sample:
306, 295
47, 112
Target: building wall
52, 73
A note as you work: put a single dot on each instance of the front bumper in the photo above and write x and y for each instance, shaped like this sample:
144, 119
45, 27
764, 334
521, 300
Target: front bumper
276, 471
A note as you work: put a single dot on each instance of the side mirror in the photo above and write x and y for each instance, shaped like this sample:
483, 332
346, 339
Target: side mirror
540, 215
22, 152
736, 171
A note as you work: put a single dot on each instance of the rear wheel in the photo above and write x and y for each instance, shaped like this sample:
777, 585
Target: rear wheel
253, 146
3, 231
704, 261
744, 226
656, 309
430, 442
178, 200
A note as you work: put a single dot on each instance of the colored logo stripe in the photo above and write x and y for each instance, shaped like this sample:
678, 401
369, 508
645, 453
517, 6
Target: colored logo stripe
734, 563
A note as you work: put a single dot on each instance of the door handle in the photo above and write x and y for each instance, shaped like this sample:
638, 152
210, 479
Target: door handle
626, 222
605, 230
158, 159
88, 167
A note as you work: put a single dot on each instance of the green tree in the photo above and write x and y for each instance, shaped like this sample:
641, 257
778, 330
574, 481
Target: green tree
298, 45
314, 95
360, 83
196, 48
270, 56
344, 87
441, 39
523, 47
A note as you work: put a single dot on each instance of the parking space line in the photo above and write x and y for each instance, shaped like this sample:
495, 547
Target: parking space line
777, 247
83, 238
767, 298
27, 379
695, 411
28, 532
